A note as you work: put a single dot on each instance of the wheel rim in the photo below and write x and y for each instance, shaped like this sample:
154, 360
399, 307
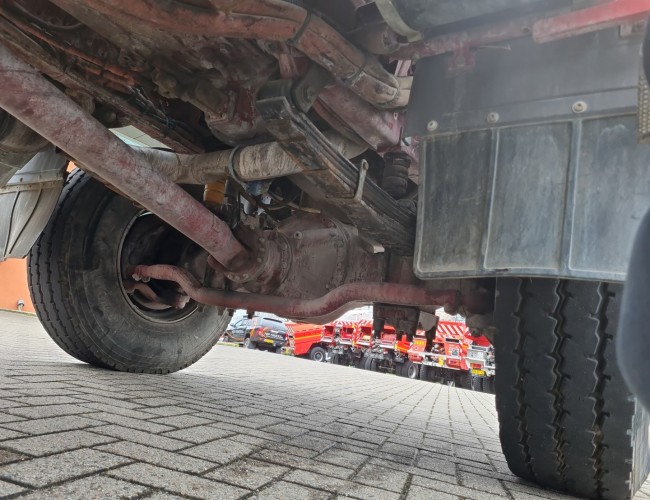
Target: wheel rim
412, 371
318, 356
247, 342
148, 240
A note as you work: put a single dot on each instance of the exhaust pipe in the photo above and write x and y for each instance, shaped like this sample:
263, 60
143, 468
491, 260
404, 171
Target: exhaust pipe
318, 309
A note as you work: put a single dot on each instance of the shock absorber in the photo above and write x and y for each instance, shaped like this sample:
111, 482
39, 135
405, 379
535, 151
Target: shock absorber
396, 174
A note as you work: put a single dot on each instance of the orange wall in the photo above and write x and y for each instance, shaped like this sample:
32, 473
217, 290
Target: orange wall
13, 285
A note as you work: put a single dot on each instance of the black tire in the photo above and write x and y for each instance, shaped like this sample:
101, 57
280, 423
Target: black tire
424, 372
318, 354
367, 362
488, 385
76, 287
373, 366
567, 420
249, 344
464, 380
335, 359
477, 383
411, 370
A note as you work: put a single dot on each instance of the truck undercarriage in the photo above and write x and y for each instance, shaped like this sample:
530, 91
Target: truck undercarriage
486, 157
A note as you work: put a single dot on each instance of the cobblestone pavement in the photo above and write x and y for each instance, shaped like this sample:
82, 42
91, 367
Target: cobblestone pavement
239, 424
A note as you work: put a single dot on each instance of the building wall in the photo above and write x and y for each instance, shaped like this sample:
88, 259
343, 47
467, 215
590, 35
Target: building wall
13, 285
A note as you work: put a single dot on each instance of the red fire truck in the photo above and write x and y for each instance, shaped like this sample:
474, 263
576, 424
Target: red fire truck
304, 339
480, 357
341, 338
442, 358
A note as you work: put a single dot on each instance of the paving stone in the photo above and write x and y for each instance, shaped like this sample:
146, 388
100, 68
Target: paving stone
290, 491
382, 477
168, 411
318, 481
365, 492
8, 456
248, 473
117, 410
287, 430
257, 442
9, 434
6, 417
522, 489
95, 487
53, 424
164, 496
45, 378
220, 451
177, 482
292, 450
182, 421
370, 437
152, 401
339, 428
408, 452
45, 400
154, 456
258, 421
105, 401
420, 493
7, 489
7, 404
303, 463
42, 390
200, 434
451, 489
40, 472
56, 443
141, 437
48, 411
437, 465
481, 483
133, 423
342, 458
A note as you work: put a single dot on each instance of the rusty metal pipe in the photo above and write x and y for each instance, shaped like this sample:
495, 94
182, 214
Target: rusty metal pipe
271, 20
386, 293
251, 163
45, 109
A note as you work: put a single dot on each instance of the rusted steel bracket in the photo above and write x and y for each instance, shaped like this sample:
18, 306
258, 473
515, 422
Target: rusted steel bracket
358, 192
332, 179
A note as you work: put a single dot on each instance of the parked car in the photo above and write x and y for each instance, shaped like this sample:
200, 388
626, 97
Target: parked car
260, 332
234, 331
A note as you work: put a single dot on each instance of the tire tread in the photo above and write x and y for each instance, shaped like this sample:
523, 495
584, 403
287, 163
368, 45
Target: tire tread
566, 418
